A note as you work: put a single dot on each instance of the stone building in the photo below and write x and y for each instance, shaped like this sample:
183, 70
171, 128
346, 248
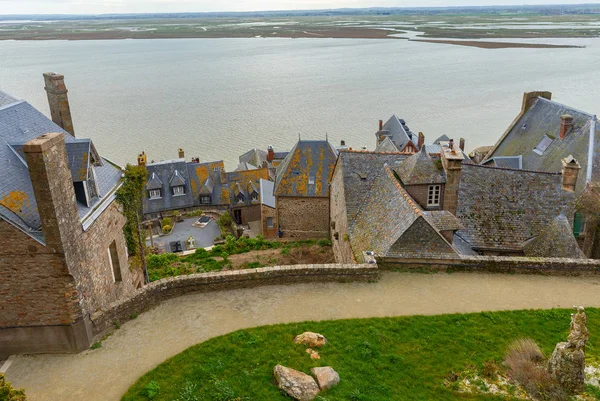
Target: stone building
63, 255
415, 207
302, 190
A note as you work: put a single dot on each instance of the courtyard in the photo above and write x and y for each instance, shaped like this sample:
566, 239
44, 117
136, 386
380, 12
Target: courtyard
204, 236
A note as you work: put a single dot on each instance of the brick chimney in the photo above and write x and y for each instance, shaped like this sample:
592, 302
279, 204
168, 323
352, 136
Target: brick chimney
50, 175
452, 158
461, 144
420, 141
270, 154
530, 97
142, 159
380, 125
566, 125
570, 172
58, 101
181, 153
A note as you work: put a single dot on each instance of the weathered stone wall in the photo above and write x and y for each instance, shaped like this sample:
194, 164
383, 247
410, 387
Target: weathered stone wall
420, 194
267, 211
249, 213
303, 217
339, 219
496, 264
159, 291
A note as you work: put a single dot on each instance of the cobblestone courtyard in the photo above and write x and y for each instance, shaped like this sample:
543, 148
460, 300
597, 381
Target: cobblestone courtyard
139, 345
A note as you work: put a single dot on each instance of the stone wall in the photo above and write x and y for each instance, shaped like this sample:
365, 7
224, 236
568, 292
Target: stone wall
303, 217
159, 291
420, 194
266, 212
496, 264
249, 213
339, 219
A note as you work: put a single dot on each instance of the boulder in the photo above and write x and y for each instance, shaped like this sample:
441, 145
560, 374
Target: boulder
311, 339
567, 367
297, 385
326, 377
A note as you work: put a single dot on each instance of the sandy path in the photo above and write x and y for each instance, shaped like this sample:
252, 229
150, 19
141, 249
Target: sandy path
139, 345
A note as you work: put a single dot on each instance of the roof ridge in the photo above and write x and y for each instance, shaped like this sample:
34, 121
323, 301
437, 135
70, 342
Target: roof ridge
7, 106
565, 106
509, 169
373, 152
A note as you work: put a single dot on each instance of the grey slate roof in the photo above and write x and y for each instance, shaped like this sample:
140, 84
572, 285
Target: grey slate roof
541, 120
177, 178
512, 162
266, 193
307, 161
255, 157
399, 133
19, 123
153, 181
443, 138
391, 224
555, 241
163, 176
244, 166
501, 208
386, 146
443, 220
420, 169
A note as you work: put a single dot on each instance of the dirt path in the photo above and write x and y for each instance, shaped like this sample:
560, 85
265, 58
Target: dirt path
106, 373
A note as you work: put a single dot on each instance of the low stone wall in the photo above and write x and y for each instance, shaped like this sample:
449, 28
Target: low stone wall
496, 264
159, 291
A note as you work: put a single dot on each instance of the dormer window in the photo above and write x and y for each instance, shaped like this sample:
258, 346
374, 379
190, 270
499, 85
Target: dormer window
254, 197
205, 199
543, 145
311, 180
155, 194
433, 195
178, 190
240, 197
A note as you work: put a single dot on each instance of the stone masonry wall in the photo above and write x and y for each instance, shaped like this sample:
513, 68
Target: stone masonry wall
339, 219
35, 286
267, 211
303, 217
249, 213
159, 291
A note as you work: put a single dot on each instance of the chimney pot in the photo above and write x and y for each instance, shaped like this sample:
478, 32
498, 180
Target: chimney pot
570, 172
181, 153
421, 141
342, 143
566, 124
270, 154
142, 159
380, 125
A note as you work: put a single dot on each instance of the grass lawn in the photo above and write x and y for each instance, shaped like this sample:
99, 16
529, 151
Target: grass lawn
243, 253
403, 358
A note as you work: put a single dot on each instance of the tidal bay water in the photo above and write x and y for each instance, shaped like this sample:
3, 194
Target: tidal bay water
217, 98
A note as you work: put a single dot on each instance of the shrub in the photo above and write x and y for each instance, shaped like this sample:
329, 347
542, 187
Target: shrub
151, 390
166, 229
225, 224
8, 393
195, 213
526, 366
166, 222
160, 261
201, 252
324, 242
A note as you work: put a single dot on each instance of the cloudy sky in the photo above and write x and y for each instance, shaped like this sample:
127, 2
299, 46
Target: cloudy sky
143, 6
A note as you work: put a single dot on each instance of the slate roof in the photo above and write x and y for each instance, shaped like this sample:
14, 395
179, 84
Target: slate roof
386, 145
443, 138
307, 161
398, 132
19, 123
391, 224
243, 166
555, 241
254, 157
420, 169
359, 171
164, 176
512, 162
266, 193
541, 120
153, 181
443, 220
177, 178
206, 179
246, 182
502, 208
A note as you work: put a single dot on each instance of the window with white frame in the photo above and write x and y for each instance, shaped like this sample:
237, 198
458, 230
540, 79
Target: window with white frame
240, 198
155, 194
433, 196
311, 180
254, 196
205, 199
178, 190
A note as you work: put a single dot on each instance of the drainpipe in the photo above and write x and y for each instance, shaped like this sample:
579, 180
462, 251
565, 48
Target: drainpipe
588, 177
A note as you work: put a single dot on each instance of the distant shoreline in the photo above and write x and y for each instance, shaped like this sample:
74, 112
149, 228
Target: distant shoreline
346, 33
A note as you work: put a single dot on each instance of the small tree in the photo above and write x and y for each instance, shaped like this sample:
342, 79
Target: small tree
8, 393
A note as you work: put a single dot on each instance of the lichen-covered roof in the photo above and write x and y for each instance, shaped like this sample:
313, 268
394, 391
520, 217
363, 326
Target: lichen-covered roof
206, 179
392, 224
541, 120
306, 170
20, 122
502, 208
443, 220
421, 169
555, 241
246, 182
243, 166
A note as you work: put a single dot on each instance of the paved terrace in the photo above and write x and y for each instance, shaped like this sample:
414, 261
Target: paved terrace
141, 344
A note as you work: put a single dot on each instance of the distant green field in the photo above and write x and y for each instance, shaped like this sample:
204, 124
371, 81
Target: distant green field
457, 26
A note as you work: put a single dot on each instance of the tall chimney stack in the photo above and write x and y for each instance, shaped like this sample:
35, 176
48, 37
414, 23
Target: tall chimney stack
142, 159
452, 158
270, 154
181, 153
421, 141
58, 101
462, 144
380, 125
566, 124
570, 172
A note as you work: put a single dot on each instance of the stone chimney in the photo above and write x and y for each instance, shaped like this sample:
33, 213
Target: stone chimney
420, 141
142, 159
342, 143
380, 125
570, 172
58, 101
452, 158
566, 125
529, 99
50, 175
181, 153
461, 144
270, 154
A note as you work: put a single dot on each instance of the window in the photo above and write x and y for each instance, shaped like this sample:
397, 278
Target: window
216, 169
254, 197
205, 199
155, 194
543, 145
178, 190
270, 222
311, 180
433, 197
240, 197
113, 258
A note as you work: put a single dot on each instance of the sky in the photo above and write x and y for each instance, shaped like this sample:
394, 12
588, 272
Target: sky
154, 6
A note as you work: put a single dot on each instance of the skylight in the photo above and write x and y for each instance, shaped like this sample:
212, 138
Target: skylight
543, 145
